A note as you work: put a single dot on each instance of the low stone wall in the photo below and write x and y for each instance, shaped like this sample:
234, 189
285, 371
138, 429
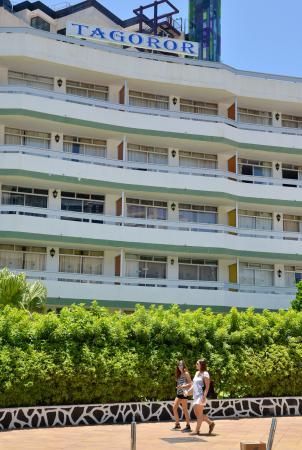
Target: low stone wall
51, 416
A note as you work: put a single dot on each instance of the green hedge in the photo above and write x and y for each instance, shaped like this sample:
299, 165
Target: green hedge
92, 356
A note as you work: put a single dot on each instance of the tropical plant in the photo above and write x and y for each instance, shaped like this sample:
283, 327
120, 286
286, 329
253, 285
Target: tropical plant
16, 291
297, 302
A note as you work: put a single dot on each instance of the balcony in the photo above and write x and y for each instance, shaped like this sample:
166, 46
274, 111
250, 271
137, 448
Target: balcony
159, 112
101, 160
150, 224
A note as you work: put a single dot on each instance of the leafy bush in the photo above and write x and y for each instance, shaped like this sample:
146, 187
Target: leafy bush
95, 356
297, 302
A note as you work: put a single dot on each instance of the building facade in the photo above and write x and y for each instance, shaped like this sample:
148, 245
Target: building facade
136, 177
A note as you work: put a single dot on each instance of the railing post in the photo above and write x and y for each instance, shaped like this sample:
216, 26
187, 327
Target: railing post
133, 434
272, 434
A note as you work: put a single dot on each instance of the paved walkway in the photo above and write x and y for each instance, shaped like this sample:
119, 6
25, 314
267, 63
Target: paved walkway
156, 436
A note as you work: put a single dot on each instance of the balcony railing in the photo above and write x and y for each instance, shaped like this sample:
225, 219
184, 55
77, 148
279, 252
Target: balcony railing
11, 89
98, 160
155, 282
45, 213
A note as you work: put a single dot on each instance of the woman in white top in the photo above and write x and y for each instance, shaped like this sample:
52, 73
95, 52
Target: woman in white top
201, 384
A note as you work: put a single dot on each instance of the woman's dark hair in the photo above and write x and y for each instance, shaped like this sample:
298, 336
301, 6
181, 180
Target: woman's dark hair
202, 365
177, 371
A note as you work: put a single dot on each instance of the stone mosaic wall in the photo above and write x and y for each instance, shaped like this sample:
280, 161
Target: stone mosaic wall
51, 416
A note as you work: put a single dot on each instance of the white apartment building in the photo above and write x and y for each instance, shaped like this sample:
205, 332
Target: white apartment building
137, 177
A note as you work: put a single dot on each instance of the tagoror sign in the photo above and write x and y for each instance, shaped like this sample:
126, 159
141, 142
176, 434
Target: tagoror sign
132, 39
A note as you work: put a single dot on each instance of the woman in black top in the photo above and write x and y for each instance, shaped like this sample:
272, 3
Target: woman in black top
183, 382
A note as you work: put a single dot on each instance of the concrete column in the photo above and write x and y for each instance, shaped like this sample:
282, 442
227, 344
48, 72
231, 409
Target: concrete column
222, 213
0, 194
223, 270
278, 224
52, 262
279, 275
59, 85
173, 158
123, 263
277, 169
172, 268
173, 216
3, 75
114, 93
112, 145
56, 142
222, 161
174, 103
109, 262
277, 119
110, 204
2, 134
54, 199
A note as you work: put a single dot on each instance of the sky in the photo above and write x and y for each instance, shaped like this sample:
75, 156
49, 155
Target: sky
257, 35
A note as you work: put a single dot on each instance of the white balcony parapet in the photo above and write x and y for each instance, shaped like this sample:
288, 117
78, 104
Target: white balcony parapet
153, 282
12, 89
147, 223
98, 160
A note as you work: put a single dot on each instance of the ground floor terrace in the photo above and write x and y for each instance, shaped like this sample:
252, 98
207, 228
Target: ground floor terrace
227, 436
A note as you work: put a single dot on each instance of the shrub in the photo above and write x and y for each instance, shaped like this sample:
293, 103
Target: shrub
95, 356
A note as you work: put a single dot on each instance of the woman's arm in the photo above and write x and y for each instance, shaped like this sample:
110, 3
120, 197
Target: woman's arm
207, 386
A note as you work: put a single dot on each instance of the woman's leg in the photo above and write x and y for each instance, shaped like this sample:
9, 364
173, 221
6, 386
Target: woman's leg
198, 410
210, 422
184, 405
175, 410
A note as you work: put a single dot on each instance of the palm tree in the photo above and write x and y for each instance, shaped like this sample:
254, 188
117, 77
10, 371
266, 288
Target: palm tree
16, 291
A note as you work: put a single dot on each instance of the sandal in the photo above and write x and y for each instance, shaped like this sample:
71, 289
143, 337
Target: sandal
211, 427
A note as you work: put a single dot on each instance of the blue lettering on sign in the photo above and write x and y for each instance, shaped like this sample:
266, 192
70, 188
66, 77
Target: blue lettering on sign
187, 48
79, 27
117, 36
153, 41
135, 37
170, 45
98, 32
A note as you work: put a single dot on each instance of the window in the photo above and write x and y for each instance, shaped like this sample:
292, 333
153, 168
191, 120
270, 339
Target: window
146, 209
147, 155
256, 274
14, 136
87, 90
82, 203
197, 107
255, 220
197, 213
197, 269
31, 80
146, 266
253, 116
291, 121
293, 275
255, 168
22, 257
196, 160
292, 224
85, 146
81, 261
39, 23
23, 196
147, 100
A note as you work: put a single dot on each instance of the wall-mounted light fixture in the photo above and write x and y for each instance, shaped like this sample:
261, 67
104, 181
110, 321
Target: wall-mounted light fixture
277, 165
59, 82
278, 217
173, 153
279, 273
52, 252
172, 262
54, 194
173, 206
277, 116
174, 101
57, 138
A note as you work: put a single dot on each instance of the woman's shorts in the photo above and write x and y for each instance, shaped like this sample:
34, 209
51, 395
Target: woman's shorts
181, 397
198, 401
